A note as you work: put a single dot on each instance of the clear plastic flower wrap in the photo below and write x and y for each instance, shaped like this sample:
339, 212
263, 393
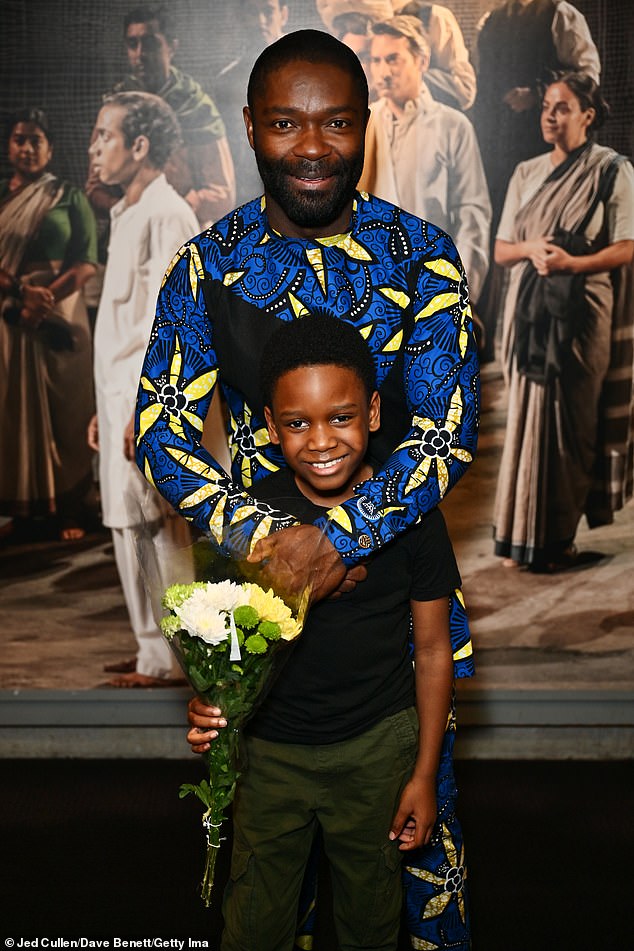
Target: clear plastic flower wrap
230, 622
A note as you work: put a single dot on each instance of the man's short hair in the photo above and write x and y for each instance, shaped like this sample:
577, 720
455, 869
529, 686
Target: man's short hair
408, 27
148, 115
310, 46
315, 340
147, 12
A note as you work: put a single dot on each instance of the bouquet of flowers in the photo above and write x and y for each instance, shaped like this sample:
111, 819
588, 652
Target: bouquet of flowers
226, 635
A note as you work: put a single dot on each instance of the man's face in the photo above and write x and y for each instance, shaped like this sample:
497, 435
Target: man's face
271, 17
396, 72
29, 150
307, 128
149, 54
321, 417
110, 157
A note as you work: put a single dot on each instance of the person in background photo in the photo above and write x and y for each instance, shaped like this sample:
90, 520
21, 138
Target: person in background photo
520, 45
567, 237
450, 76
261, 23
201, 168
422, 154
133, 138
48, 250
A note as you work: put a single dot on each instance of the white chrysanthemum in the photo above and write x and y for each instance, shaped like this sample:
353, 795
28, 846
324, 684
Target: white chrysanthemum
202, 616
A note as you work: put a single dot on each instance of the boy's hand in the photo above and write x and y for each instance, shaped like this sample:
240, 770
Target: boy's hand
416, 814
204, 722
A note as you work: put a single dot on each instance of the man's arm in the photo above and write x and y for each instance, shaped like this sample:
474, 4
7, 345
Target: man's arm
178, 380
573, 41
441, 383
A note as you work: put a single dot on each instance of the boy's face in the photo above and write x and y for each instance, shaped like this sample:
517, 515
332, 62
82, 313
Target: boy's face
321, 418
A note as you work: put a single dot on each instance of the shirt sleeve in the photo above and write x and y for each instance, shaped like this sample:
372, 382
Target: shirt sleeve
620, 205
178, 380
573, 41
441, 384
83, 243
469, 205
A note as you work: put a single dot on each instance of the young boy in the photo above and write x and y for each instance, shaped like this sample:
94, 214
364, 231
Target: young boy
349, 738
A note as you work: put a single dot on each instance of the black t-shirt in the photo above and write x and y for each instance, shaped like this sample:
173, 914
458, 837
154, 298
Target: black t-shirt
351, 666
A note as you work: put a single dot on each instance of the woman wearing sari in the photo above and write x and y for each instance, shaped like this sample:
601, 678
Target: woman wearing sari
47, 252
567, 236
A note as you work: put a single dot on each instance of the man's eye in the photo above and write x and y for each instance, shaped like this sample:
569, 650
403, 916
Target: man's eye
339, 123
282, 124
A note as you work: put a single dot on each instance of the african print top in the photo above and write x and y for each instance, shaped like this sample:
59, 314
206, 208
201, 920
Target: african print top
397, 279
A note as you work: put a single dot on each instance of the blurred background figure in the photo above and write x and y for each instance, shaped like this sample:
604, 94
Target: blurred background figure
261, 23
450, 77
567, 236
520, 45
421, 154
134, 135
48, 249
201, 169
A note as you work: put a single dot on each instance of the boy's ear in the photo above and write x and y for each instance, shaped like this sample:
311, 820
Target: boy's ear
374, 413
270, 425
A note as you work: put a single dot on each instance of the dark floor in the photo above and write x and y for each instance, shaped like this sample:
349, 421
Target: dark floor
100, 849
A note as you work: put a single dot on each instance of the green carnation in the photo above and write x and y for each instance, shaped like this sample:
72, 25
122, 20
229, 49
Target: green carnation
270, 629
255, 644
246, 616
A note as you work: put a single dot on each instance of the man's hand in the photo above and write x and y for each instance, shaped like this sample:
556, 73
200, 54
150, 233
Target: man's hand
204, 722
92, 433
128, 441
299, 557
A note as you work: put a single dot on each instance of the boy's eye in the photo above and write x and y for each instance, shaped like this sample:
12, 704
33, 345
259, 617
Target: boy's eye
342, 418
296, 424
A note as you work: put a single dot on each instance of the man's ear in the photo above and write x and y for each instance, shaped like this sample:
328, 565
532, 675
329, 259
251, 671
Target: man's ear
374, 414
270, 425
248, 123
140, 148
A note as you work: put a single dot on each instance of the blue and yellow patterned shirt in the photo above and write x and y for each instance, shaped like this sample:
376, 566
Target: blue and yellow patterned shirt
397, 279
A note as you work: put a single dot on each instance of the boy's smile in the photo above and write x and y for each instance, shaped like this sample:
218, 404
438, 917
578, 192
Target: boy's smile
321, 418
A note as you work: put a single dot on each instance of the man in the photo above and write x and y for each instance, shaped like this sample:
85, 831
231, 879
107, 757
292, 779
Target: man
450, 76
201, 169
261, 23
133, 137
422, 154
312, 243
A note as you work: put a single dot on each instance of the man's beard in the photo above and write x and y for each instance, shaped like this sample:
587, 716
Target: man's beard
310, 209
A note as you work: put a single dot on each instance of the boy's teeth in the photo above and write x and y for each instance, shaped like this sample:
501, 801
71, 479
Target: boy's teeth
325, 465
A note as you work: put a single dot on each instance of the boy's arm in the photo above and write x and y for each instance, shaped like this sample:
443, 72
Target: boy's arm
416, 814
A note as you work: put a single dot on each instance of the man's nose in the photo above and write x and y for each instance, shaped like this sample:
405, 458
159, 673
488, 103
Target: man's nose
312, 143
